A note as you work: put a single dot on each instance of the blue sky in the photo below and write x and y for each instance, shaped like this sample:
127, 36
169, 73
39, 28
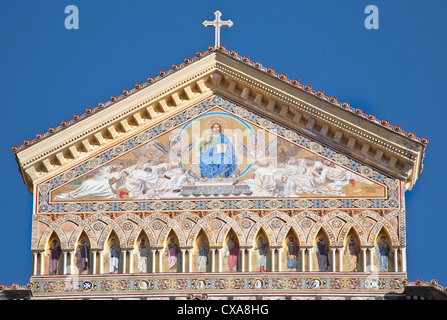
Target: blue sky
49, 73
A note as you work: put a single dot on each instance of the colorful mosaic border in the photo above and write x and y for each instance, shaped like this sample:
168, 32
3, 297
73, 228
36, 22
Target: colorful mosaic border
212, 283
44, 205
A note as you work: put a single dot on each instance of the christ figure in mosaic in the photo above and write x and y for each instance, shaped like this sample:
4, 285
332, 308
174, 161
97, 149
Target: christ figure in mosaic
383, 253
217, 157
171, 254
232, 253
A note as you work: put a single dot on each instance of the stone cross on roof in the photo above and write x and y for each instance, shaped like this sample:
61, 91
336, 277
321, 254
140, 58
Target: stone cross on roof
217, 24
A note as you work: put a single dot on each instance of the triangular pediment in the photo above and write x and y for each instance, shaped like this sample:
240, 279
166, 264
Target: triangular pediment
216, 155
252, 87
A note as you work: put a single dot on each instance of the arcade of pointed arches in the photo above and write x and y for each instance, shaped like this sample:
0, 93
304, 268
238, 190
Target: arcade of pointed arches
306, 227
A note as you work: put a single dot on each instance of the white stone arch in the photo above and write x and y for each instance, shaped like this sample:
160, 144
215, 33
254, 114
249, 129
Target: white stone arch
291, 224
171, 225
319, 222
229, 223
254, 218
380, 222
200, 224
140, 225
81, 226
383, 224
350, 222
148, 222
111, 225
52, 227
263, 223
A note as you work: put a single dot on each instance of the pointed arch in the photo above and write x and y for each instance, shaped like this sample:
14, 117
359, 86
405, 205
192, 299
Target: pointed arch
54, 265
82, 235
290, 225
176, 267
383, 252
201, 225
164, 234
232, 252
105, 234
320, 255
324, 225
201, 252
52, 227
82, 226
263, 224
229, 224
350, 223
352, 253
382, 223
154, 240
261, 245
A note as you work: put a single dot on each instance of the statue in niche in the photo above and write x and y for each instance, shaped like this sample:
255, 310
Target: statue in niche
143, 254
262, 248
171, 254
232, 253
55, 252
292, 254
322, 250
114, 251
383, 253
352, 252
83, 257
202, 259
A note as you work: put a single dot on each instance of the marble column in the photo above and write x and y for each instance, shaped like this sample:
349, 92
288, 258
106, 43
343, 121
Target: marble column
154, 251
272, 253
160, 260
35, 255
303, 259
333, 250
340, 259
403, 252
124, 260
279, 259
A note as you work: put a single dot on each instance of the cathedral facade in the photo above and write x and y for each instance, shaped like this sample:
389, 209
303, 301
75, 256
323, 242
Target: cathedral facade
221, 178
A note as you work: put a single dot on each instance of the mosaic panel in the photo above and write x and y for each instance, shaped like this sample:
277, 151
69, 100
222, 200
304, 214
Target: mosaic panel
217, 155
216, 283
